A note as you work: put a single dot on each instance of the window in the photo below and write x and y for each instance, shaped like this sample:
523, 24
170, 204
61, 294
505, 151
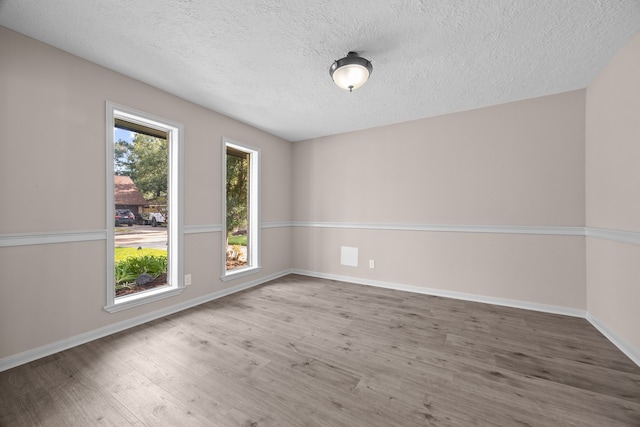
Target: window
144, 208
240, 200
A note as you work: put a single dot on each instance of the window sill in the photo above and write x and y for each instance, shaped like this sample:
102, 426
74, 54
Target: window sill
141, 298
234, 274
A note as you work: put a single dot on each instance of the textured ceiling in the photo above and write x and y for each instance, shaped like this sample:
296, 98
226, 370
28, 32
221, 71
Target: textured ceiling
266, 62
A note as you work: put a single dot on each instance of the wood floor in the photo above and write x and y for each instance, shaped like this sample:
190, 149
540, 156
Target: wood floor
309, 352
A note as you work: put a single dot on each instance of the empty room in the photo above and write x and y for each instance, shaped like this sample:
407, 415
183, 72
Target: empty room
284, 213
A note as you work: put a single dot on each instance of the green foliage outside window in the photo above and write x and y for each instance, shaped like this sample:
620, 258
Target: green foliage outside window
237, 192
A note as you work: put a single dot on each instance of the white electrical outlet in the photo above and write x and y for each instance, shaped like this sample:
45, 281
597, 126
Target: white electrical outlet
372, 264
187, 279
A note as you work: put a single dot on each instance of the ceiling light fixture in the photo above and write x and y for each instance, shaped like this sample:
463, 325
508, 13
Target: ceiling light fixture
351, 72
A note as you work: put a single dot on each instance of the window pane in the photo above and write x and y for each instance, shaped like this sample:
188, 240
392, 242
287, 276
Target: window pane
241, 210
140, 197
237, 202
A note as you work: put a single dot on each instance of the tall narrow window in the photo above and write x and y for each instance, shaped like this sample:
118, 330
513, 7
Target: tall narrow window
144, 236
240, 201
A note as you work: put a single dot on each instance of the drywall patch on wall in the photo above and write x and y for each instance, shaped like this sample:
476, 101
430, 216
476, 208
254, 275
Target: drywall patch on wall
349, 256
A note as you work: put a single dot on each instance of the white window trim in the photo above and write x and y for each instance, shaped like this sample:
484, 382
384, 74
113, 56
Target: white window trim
175, 268
253, 263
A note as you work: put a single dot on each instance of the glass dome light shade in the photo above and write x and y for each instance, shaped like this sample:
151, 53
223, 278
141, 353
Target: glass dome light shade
350, 72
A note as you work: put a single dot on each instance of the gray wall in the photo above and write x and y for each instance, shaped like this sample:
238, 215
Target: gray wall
517, 164
52, 160
613, 194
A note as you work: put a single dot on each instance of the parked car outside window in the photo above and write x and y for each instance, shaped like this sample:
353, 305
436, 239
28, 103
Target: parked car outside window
124, 216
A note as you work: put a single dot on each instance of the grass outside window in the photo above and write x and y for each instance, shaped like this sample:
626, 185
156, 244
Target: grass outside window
131, 262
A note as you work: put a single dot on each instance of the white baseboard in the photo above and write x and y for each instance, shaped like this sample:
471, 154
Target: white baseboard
55, 347
567, 311
622, 345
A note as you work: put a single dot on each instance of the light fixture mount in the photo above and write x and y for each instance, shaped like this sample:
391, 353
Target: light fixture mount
350, 72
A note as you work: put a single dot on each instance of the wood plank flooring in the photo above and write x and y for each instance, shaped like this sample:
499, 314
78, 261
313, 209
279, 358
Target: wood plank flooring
309, 352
